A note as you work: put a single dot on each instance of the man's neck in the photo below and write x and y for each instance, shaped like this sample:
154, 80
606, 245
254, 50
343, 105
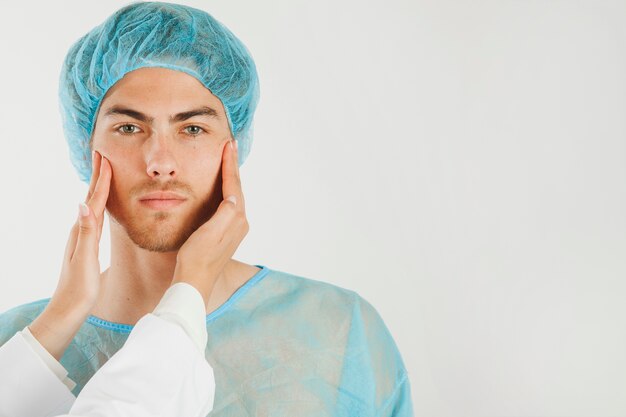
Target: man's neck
136, 280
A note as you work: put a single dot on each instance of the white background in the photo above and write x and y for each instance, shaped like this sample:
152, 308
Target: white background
459, 164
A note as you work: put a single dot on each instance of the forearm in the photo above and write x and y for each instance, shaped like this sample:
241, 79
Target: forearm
56, 326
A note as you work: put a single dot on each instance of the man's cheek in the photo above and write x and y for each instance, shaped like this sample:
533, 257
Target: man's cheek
113, 200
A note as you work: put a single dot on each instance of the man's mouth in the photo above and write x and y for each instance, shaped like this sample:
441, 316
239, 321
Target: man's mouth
161, 203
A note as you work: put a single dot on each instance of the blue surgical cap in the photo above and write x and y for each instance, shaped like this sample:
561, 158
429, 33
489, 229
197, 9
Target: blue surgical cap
155, 34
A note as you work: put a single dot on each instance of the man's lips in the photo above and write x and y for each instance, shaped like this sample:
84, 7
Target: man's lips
162, 195
161, 204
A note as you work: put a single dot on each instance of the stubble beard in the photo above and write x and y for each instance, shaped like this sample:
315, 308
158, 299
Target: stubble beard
163, 231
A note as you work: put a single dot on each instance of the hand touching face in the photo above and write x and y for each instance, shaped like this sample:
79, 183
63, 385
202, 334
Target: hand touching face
203, 256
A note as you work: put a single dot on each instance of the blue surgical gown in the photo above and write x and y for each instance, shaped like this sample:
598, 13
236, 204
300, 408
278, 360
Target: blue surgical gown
281, 345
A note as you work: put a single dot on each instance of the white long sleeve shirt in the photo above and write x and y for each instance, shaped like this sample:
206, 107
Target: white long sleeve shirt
160, 370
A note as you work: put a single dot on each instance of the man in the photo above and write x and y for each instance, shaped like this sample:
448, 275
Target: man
158, 91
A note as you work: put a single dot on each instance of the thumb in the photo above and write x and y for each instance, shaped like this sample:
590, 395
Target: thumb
86, 241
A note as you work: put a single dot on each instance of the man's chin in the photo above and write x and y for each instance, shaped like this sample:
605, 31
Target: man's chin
157, 247
157, 240
155, 233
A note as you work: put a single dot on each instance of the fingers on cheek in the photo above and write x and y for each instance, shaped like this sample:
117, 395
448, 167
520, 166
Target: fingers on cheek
238, 223
242, 223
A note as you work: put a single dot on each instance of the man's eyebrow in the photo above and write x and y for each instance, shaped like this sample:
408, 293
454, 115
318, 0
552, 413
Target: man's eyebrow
202, 111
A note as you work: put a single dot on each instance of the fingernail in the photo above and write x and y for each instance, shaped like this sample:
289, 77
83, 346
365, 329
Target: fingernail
230, 142
236, 144
83, 209
232, 199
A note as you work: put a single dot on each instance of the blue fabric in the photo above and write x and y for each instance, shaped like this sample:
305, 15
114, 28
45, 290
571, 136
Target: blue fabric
155, 34
282, 345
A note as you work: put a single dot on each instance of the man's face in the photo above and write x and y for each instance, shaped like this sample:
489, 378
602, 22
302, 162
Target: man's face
182, 155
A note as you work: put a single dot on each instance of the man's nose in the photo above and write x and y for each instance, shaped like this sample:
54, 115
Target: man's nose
160, 160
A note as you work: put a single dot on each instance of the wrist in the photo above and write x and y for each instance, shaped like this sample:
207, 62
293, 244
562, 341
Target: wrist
203, 285
55, 328
65, 313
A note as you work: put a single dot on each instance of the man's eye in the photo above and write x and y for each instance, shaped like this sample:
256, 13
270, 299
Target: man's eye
127, 131
130, 129
195, 132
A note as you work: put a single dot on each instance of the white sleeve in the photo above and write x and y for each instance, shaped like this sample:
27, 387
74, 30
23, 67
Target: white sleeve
28, 387
183, 304
158, 372
48, 359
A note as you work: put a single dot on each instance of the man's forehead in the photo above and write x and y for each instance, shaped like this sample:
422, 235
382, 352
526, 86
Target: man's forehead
160, 78
137, 89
